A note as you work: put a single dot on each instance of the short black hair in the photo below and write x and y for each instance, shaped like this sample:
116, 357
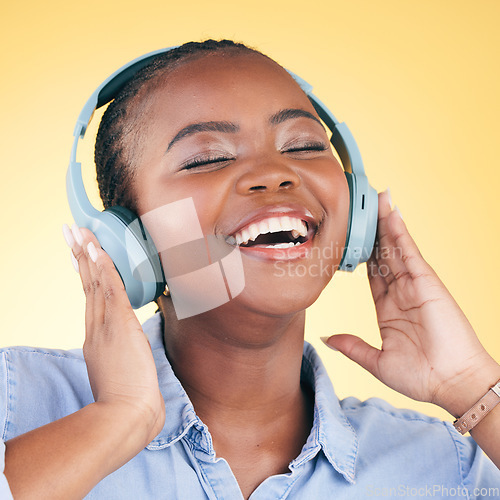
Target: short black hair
121, 129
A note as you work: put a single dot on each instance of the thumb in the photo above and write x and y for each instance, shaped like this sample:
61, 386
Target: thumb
355, 349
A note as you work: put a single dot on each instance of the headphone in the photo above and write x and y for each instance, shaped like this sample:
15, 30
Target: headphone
125, 238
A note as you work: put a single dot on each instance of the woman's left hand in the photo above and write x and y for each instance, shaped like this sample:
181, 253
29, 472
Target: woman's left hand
429, 350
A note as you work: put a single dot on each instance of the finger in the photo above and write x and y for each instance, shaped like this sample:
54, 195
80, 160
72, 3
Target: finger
84, 272
357, 350
376, 278
111, 300
410, 254
70, 241
90, 246
387, 253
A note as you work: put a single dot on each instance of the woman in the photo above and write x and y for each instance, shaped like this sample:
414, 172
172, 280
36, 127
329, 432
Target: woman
230, 403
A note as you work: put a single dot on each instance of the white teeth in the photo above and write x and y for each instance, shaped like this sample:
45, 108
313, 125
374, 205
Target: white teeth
253, 230
271, 225
274, 225
245, 235
263, 227
287, 223
302, 227
283, 245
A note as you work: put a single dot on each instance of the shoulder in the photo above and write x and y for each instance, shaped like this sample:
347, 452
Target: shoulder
40, 385
376, 419
31, 361
401, 446
432, 445
27, 352
378, 408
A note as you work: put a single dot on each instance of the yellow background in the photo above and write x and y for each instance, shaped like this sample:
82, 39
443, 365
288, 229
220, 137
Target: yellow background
416, 81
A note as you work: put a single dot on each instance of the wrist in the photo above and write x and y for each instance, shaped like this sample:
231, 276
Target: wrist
481, 409
466, 389
138, 424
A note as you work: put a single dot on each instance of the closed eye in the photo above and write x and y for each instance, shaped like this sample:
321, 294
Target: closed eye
308, 146
205, 161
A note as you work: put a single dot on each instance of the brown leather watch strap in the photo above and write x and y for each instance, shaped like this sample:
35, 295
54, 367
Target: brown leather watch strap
479, 410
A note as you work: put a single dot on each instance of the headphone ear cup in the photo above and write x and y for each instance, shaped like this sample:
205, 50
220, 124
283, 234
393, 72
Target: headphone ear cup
126, 240
362, 224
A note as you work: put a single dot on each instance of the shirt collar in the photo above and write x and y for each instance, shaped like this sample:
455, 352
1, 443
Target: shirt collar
179, 409
331, 430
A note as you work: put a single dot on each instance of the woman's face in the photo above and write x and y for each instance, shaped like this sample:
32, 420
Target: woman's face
253, 153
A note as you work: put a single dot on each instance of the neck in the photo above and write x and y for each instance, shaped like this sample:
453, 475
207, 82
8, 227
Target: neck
241, 372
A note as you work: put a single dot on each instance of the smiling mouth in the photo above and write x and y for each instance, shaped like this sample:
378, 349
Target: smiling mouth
274, 232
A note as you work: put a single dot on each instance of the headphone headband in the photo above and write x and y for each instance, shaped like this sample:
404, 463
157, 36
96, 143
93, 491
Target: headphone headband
342, 139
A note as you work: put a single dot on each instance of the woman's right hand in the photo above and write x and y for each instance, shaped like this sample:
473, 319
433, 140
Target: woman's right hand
119, 360
128, 412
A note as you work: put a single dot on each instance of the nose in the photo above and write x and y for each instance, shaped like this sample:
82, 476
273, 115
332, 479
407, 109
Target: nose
268, 176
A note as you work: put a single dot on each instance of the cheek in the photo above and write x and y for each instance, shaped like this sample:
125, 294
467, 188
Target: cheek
178, 212
155, 191
179, 216
205, 195
333, 191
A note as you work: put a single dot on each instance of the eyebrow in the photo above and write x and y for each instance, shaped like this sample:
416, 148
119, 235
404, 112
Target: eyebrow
231, 128
289, 114
194, 128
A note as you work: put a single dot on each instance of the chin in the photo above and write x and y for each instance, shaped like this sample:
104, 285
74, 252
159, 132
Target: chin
281, 296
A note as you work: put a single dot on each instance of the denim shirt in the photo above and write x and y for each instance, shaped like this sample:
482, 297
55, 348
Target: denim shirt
355, 449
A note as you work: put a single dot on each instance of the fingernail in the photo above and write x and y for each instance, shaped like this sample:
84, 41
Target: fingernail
68, 237
77, 234
324, 339
388, 191
92, 251
398, 211
75, 263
